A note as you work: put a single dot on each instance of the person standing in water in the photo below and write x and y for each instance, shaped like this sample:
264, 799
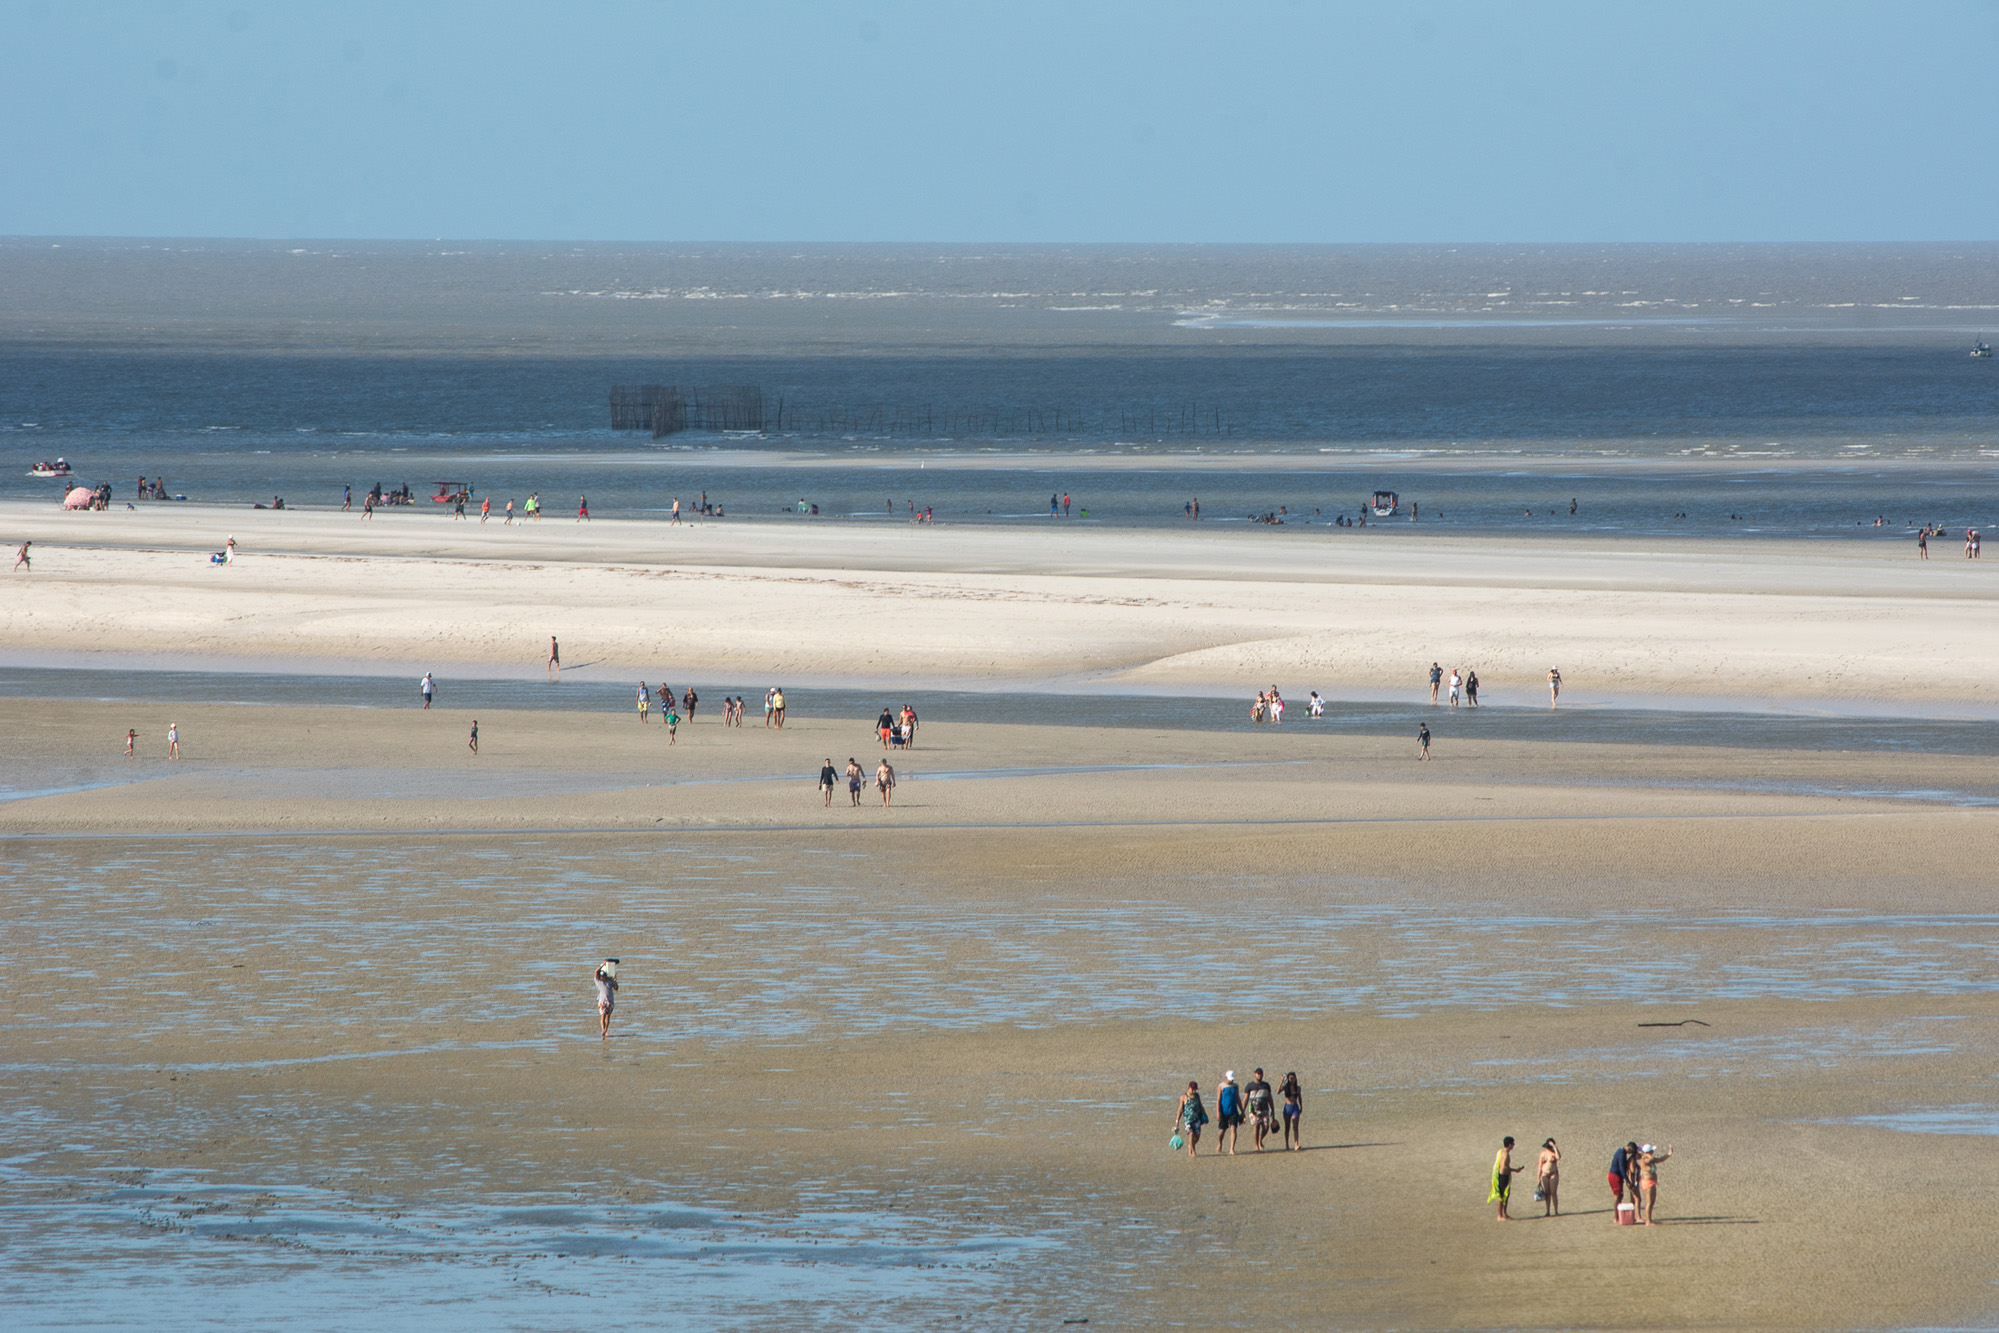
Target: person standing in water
1548, 1179
554, 659
1502, 1177
428, 689
1554, 686
1471, 688
606, 979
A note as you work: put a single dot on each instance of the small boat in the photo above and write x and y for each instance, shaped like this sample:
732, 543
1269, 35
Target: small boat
59, 468
452, 492
1982, 350
1385, 504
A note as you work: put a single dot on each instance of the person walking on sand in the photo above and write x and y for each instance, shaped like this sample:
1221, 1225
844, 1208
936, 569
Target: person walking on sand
1649, 1158
645, 702
885, 782
607, 995
1548, 1179
428, 689
1502, 1178
676, 509
472, 742
1620, 1172
346, 498
1554, 686
1189, 1116
1923, 544
131, 739
508, 520
777, 706
173, 740
21, 560
1228, 1112
853, 781
485, 509
368, 507
1422, 740
1436, 680
582, 509
554, 659
884, 725
672, 720
828, 776
1262, 1106
687, 701
1457, 686
1294, 1112
1471, 688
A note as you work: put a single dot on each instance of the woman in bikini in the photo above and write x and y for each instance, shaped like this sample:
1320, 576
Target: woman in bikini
1294, 1112
1548, 1179
1649, 1158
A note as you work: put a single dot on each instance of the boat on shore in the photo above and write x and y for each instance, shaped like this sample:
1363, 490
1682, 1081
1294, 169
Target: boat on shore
59, 468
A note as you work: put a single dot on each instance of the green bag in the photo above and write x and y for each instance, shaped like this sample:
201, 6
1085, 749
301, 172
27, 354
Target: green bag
1176, 1143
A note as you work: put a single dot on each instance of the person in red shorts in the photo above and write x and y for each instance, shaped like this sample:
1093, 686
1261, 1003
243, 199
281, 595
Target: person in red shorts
1620, 1168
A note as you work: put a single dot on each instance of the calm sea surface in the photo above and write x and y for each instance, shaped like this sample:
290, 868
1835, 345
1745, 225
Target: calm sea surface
1779, 390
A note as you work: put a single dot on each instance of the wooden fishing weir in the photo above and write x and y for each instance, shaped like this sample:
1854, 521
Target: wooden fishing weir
667, 410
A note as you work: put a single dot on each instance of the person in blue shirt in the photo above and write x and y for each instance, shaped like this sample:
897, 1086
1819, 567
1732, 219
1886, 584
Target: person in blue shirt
1228, 1112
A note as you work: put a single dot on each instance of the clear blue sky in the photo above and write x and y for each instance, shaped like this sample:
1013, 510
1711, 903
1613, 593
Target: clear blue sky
1120, 120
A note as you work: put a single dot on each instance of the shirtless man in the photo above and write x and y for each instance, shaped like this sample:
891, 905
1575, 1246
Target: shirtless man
885, 782
854, 780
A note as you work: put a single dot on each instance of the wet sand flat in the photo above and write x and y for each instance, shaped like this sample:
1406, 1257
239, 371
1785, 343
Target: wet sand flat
917, 1066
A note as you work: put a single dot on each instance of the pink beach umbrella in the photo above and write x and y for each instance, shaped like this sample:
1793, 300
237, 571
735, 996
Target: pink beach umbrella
79, 498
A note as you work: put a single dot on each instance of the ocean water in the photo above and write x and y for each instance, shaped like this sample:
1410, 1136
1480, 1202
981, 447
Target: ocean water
1696, 390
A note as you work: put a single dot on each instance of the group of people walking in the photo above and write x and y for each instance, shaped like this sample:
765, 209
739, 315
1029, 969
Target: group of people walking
1463, 686
897, 731
830, 777
1264, 1109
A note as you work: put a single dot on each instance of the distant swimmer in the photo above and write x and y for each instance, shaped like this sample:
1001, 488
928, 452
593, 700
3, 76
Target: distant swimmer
606, 979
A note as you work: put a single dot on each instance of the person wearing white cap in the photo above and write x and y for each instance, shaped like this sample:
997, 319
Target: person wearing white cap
1228, 1112
1649, 1158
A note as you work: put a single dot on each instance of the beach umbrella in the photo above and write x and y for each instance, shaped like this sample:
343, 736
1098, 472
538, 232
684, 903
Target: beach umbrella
79, 498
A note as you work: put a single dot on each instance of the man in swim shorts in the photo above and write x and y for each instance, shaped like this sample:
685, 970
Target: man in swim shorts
1620, 1165
853, 780
885, 782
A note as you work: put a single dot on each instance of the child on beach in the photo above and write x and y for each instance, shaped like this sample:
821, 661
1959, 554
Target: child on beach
473, 743
173, 740
131, 739
21, 560
672, 720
